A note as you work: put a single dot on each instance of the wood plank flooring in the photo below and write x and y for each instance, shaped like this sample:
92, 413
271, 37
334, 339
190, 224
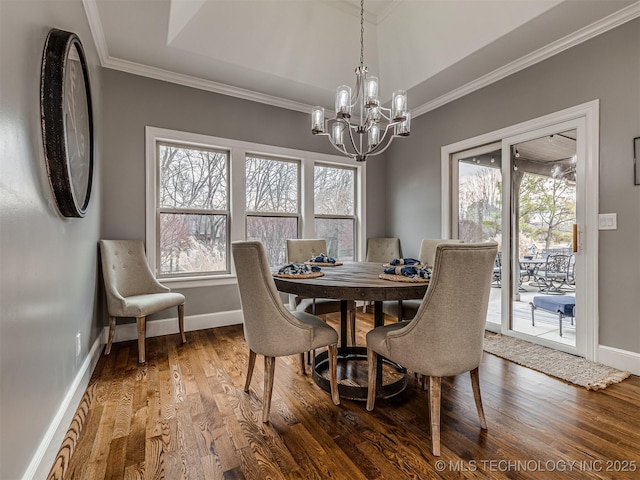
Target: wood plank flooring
184, 415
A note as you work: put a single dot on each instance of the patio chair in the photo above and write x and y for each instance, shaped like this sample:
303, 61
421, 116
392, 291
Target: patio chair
555, 275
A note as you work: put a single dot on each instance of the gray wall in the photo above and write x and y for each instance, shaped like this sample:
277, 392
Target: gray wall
132, 102
48, 263
606, 68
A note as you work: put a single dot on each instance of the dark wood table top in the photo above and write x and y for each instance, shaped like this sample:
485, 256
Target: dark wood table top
352, 281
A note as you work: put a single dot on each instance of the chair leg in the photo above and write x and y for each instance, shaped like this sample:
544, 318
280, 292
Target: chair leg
252, 362
533, 318
560, 322
269, 370
112, 332
475, 385
142, 332
302, 364
372, 365
181, 322
333, 373
434, 410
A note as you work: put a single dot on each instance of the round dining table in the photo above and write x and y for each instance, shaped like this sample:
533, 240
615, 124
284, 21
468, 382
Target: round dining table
354, 281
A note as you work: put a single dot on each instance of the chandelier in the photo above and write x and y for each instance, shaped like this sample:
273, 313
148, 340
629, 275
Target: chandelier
371, 132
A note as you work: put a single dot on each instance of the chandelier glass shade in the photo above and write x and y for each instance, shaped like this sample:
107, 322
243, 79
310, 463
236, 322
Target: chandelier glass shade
362, 127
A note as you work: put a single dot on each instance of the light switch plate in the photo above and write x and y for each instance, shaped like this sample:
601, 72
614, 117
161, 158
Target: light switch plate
608, 221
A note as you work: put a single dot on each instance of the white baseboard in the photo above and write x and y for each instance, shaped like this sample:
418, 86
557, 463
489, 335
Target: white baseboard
620, 359
168, 326
45, 455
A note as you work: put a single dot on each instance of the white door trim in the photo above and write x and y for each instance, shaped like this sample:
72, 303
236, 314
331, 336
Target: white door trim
588, 233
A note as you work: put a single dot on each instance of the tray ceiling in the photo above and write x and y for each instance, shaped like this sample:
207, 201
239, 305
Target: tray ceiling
294, 53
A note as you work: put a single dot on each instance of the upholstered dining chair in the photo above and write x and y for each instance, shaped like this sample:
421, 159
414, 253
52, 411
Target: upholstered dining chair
426, 257
133, 291
446, 336
381, 250
301, 250
270, 329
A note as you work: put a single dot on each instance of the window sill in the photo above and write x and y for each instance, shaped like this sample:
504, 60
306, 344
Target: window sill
195, 282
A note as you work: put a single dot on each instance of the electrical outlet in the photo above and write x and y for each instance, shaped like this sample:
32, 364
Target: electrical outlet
78, 344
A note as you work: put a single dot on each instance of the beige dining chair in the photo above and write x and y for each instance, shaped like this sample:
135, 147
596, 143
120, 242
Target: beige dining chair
446, 336
301, 250
426, 257
381, 250
270, 329
133, 291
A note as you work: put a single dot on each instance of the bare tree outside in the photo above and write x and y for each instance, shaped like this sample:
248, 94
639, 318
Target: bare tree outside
193, 210
334, 207
480, 203
547, 210
272, 206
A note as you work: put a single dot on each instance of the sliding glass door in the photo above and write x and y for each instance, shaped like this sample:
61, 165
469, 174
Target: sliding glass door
477, 207
528, 193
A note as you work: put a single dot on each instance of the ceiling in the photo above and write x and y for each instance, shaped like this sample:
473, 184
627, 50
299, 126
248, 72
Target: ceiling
294, 53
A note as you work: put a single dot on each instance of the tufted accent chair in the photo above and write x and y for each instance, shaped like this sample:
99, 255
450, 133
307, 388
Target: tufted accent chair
382, 250
446, 336
133, 291
270, 329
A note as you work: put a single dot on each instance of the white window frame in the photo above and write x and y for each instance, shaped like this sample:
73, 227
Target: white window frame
354, 217
267, 214
237, 229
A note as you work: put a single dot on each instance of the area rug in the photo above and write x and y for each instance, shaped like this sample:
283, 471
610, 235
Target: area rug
567, 367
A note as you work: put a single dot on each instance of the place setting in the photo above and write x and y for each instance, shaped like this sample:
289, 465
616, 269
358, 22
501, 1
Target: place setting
309, 269
408, 270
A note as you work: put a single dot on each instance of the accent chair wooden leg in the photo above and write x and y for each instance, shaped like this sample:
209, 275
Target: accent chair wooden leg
181, 322
269, 370
252, 362
302, 364
112, 332
372, 365
142, 332
333, 373
475, 385
434, 410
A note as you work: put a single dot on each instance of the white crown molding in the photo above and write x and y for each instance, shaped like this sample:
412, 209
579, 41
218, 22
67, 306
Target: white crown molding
195, 82
586, 33
95, 25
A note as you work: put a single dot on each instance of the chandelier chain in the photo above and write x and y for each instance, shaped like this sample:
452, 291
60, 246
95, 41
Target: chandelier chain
361, 33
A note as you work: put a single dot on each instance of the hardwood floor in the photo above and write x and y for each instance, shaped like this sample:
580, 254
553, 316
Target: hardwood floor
184, 415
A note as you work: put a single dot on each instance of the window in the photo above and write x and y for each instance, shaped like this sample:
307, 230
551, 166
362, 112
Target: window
193, 210
272, 204
204, 192
335, 209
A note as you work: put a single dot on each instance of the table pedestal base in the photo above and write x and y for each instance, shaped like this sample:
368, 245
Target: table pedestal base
353, 391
